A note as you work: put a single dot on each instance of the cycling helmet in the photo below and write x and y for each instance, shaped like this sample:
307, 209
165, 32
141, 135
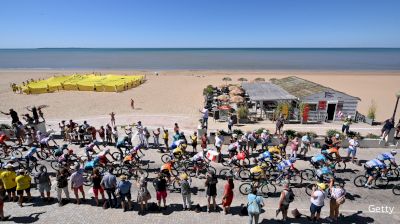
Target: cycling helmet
65, 146
322, 186
292, 160
126, 138
394, 152
234, 135
70, 151
96, 160
337, 136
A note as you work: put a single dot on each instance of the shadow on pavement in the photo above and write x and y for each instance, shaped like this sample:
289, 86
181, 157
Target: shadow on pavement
34, 217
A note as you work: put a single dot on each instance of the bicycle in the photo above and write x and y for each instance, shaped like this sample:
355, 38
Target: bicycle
396, 189
267, 188
202, 167
237, 172
294, 177
379, 182
6, 151
132, 171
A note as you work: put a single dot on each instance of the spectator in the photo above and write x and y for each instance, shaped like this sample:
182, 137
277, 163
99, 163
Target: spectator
204, 122
13, 115
211, 184
156, 137
254, 205
353, 145
42, 179
305, 144
77, 181
143, 195
185, 191
96, 179
161, 190
23, 181
194, 141
124, 188
165, 138
337, 198
8, 178
389, 124
346, 125
294, 146
2, 217
228, 195
317, 201
109, 183
279, 124
62, 185
285, 199
204, 141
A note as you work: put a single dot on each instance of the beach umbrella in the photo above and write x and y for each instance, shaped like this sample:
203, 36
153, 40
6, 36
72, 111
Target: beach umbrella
237, 99
223, 98
242, 80
237, 91
259, 80
227, 79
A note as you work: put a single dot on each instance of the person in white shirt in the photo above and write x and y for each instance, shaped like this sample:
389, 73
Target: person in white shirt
318, 196
205, 117
353, 145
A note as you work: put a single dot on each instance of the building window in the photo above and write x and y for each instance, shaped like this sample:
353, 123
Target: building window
312, 106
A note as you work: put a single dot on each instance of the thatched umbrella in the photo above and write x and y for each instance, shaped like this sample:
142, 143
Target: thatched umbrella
237, 99
259, 80
227, 79
242, 80
223, 98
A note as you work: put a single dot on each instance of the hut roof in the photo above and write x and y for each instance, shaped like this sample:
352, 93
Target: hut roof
265, 91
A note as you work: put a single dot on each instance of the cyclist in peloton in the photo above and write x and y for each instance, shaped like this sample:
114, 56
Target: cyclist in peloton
372, 165
319, 161
388, 157
90, 148
30, 155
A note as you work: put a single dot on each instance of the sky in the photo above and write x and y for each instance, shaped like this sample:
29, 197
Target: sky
199, 23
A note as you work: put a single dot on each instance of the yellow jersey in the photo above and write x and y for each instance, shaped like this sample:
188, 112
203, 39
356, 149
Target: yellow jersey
274, 150
8, 178
23, 182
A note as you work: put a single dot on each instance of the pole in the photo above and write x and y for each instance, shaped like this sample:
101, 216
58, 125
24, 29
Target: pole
395, 108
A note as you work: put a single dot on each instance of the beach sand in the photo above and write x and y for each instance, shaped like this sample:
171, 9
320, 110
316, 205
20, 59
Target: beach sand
179, 93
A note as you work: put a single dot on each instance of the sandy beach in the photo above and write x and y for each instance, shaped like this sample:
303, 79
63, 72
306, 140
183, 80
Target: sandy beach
177, 95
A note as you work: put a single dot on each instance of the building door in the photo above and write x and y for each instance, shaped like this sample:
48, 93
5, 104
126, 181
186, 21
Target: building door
331, 111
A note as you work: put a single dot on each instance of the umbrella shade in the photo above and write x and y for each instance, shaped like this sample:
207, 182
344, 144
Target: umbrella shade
259, 80
242, 80
226, 79
237, 99
223, 98
236, 92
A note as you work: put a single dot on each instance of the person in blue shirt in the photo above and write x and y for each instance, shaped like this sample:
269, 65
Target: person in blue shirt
372, 165
122, 143
124, 187
318, 160
30, 155
255, 203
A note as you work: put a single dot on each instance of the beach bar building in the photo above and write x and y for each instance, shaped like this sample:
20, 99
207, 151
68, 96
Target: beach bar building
324, 103
321, 103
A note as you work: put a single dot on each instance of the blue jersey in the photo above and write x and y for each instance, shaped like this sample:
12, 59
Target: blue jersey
386, 156
318, 158
265, 156
90, 165
375, 164
31, 152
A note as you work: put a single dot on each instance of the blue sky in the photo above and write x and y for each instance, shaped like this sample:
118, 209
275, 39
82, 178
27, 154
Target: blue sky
199, 23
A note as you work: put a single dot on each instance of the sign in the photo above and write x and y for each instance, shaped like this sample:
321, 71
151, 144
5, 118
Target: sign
322, 105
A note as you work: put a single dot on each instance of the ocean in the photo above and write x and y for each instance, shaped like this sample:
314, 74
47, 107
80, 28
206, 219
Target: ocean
203, 58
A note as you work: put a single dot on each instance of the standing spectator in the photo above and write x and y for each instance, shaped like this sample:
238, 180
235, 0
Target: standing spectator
353, 145
42, 179
96, 179
143, 195
317, 201
140, 131
156, 137
2, 217
230, 124
115, 134
305, 144
161, 190
287, 197
279, 124
109, 183
102, 135
204, 141
13, 114
346, 125
228, 195
124, 188
146, 134
176, 127
8, 178
294, 146
34, 114
62, 185
165, 138
194, 141
205, 117
23, 181
211, 184
185, 191
41, 113
77, 181
389, 124
132, 104
337, 198
108, 134
265, 139
254, 205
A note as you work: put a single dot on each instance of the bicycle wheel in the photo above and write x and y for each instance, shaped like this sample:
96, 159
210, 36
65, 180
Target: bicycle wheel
307, 175
17, 154
309, 189
245, 188
42, 155
396, 189
2, 154
244, 174
360, 181
268, 189
340, 166
381, 183
116, 156
166, 158
226, 162
296, 180
55, 165
246, 162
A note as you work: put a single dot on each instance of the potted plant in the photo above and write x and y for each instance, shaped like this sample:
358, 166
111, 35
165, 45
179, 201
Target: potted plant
242, 113
371, 113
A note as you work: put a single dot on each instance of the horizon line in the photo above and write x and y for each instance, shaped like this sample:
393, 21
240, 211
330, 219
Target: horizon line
200, 48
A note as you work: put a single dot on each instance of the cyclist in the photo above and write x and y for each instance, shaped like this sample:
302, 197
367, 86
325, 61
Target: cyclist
197, 161
30, 155
287, 167
232, 149
3, 139
166, 169
324, 174
133, 153
122, 143
179, 151
65, 158
372, 165
267, 156
176, 143
91, 164
90, 148
328, 153
102, 156
44, 140
318, 160
257, 173
389, 157
274, 150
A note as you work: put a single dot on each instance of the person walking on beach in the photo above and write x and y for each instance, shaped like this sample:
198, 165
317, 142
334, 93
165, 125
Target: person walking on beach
279, 124
132, 104
112, 114
254, 205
